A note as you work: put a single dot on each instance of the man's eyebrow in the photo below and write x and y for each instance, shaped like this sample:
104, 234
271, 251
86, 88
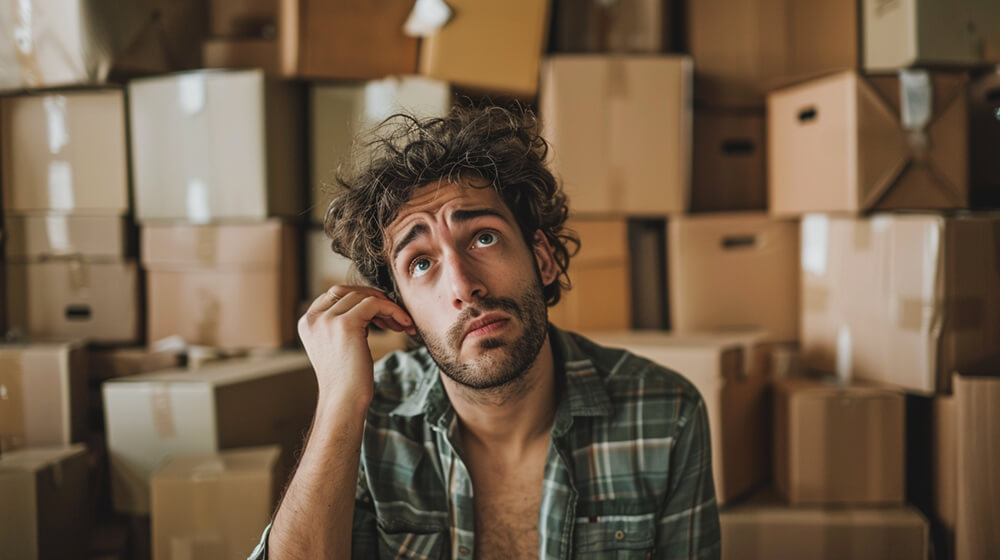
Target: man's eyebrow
468, 215
411, 236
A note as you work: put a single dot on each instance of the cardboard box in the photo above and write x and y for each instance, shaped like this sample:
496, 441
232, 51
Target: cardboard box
734, 271
340, 113
766, 530
44, 394
620, 131
843, 144
596, 26
326, 268
48, 43
730, 372
44, 505
216, 145
65, 152
938, 32
489, 46
107, 363
945, 461
837, 444
728, 167
977, 423
39, 236
231, 286
71, 298
984, 129
315, 39
900, 299
647, 247
152, 416
601, 294
220, 499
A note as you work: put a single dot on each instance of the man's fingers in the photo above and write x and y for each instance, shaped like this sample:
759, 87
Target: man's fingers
332, 296
373, 306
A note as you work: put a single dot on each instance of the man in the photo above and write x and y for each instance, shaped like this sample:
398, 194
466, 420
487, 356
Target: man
502, 436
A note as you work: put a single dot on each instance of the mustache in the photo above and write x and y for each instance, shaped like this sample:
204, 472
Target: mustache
457, 331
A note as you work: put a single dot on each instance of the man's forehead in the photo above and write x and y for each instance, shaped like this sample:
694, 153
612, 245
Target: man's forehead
429, 201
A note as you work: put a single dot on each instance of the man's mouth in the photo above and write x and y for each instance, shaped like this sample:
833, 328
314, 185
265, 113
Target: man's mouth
486, 325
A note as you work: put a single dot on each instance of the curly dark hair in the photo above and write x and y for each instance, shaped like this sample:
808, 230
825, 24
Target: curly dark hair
478, 147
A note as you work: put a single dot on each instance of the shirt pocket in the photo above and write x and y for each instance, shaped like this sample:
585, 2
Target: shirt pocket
407, 544
621, 537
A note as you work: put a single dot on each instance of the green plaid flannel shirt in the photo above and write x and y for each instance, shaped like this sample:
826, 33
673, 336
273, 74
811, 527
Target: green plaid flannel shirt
628, 473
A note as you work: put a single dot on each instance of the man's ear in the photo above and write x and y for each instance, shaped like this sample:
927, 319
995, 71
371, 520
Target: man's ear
546, 261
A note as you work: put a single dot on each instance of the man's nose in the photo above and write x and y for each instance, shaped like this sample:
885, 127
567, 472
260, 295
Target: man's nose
465, 282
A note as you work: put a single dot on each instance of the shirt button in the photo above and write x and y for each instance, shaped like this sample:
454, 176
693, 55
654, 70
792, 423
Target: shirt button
462, 550
619, 535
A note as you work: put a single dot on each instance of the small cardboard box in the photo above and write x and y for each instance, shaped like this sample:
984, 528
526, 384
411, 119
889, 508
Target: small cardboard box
151, 416
44, 507
731, 372
729, 157
623, 26
734, 271
43, 394
489, 46
216, 145
620, 131
837, 444
900, 299
977, 504
601, 294
64, 152
851, 143
223, 498
231, 286
340, 113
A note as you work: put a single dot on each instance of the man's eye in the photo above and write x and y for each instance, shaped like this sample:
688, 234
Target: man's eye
486, 238
419, 266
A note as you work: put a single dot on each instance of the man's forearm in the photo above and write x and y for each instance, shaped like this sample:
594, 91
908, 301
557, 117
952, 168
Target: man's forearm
316, 513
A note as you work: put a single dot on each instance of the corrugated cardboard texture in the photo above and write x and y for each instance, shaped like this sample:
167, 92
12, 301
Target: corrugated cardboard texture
734, 271
838, 144
89, 42
764, 530
43, 394
44, 505
920, 33
729, 372
152, 416
623, 26
225, 498
900, 299
216, 145
69, 298
601, 295
620, 131
341, 112
489, 46
54, 235
977, 407
64, 152
728, 169
838, 445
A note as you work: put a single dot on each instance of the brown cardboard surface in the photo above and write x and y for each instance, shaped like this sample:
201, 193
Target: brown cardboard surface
224, 497
634, 26
647, 246
838, 144
54, 235
341, 112
900, 299
70, 298
243, 53
984, 128
728, 166
64, 151
232, 286
152, 416
107, 363
44, 505
977, 422
489, 46
765, 530
601, 294
242, 18
910, 33
838, 444
619, 128
49, 44
945, 460
216, 145
734, 271
44, 387
729, 371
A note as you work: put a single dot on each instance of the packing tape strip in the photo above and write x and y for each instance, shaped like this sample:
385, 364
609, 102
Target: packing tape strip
916, 106
160, 407
57, 234
55, 120
78, 273
815, 243
426, 18
60, 186
191, 94
206, 242
24, 42
197, 202
209, 322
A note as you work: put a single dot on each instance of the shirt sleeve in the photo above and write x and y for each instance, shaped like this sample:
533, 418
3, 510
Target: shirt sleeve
689, 519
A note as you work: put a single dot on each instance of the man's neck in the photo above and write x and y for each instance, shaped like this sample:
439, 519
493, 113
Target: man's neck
510, 420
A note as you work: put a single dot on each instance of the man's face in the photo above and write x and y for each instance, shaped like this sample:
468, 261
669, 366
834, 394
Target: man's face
471, 284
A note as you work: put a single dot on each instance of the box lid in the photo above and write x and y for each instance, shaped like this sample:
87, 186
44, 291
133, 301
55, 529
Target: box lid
183, 246
219, 373
233, 461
